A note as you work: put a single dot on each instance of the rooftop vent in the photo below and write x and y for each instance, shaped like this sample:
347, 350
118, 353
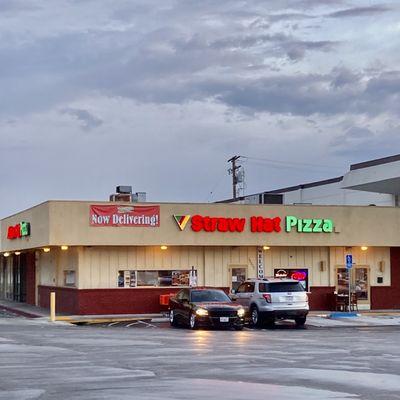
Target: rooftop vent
124, 193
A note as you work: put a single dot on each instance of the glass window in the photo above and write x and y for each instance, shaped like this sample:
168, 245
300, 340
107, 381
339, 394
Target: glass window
200, 296
263, 288
156, 278
249, 287
285, 287
69, 278
241, 288
186, 295
147, 278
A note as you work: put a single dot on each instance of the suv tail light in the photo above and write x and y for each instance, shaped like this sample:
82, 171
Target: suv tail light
267, 297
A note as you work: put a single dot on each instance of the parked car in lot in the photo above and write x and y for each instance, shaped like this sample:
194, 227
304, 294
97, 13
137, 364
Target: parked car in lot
196, 307
270, 299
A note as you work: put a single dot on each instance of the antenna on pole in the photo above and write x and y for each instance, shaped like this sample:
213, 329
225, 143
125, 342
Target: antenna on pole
237, 177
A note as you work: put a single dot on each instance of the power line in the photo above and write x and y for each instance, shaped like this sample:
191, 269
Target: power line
288, 163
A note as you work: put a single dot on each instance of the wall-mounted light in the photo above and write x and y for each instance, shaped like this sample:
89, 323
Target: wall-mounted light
266, 247
364, 248
63, 247
17, 253
6, 254
163, 247
46, 249
381, 265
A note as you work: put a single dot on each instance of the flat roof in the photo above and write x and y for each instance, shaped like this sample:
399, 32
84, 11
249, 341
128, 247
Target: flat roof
364, 164
378, 161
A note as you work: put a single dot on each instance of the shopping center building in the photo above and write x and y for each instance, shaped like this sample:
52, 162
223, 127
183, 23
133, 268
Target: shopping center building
118, 258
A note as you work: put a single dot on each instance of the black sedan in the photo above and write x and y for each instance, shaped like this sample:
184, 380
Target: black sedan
195, 307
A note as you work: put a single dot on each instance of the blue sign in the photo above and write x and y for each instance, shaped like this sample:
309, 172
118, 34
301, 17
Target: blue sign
349, 261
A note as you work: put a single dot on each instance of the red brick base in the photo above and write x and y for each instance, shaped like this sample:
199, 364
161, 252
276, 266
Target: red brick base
388, 297
320, 298
105, 301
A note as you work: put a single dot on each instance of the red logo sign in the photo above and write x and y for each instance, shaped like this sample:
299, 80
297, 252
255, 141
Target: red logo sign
18, 231
221, 224
260, 224
14, 232
125, 215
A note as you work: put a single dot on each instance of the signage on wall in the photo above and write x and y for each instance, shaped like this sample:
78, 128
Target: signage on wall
23, 229
309, 225
260, 263
121, 215
300, 275
257, 224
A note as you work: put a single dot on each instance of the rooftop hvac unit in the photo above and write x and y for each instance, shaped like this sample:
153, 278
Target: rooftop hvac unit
124, 189
121, 197
140, 197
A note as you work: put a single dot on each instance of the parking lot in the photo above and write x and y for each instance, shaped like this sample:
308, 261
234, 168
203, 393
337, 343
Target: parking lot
40, 360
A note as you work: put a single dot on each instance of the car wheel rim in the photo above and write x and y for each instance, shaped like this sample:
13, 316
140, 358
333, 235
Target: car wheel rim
254, 316
192, 321
171, 316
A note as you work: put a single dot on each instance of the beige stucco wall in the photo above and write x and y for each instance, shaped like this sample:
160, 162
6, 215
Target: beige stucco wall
332, 258
38, 217
50, 266
64, 222
97, 267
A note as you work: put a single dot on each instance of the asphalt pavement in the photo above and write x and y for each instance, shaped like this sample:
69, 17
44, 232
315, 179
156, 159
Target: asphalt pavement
40, 360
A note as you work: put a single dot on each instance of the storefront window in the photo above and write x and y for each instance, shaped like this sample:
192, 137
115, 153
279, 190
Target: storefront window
154, 278
69, 278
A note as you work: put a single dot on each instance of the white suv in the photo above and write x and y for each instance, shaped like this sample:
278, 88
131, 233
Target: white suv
269, 299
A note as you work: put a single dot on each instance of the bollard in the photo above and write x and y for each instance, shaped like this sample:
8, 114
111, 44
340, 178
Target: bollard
52, 306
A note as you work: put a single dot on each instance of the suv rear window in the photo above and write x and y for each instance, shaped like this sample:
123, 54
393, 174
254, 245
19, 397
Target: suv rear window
274, 287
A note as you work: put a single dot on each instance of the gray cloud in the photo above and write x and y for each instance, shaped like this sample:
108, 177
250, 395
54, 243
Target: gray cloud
88, 121
358, 141
214, 78
360, 12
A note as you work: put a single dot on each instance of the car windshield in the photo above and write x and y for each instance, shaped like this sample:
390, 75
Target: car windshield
201, 296
282, 287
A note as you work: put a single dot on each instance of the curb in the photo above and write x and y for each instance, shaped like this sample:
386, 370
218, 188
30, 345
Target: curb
19, 312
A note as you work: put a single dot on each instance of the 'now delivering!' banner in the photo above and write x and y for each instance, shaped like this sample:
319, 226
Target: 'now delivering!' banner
125, 215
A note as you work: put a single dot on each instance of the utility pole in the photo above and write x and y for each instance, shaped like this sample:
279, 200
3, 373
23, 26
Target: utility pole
232, 171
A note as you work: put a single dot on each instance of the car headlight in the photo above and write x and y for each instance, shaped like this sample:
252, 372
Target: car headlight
201, 312
241, 312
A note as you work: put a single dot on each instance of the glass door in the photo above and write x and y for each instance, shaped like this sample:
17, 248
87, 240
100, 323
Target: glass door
238, 275
359, 283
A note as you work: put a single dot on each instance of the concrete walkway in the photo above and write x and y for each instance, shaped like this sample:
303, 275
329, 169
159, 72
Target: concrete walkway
318, 319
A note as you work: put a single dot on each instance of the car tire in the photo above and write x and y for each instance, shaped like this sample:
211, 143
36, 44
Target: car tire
255, 317
172, 318
192, 321
300, 321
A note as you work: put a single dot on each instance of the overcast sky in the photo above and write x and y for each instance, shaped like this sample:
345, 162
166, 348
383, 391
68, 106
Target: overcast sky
159, 94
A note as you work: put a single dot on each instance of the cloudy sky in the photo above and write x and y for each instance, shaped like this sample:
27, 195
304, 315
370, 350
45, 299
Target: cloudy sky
158, 94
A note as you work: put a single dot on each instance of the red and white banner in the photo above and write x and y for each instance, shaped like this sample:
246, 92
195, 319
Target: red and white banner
121, 215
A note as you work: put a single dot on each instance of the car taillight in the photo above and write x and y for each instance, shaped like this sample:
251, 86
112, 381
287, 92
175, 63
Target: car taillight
267, 297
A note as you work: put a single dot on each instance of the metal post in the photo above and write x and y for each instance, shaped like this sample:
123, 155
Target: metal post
52, 306
349, 276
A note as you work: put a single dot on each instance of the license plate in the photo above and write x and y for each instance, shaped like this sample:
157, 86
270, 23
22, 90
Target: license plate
289, 298
223, 319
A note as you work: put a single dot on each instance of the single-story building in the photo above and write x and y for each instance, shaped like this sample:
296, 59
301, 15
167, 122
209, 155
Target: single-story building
119, 258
